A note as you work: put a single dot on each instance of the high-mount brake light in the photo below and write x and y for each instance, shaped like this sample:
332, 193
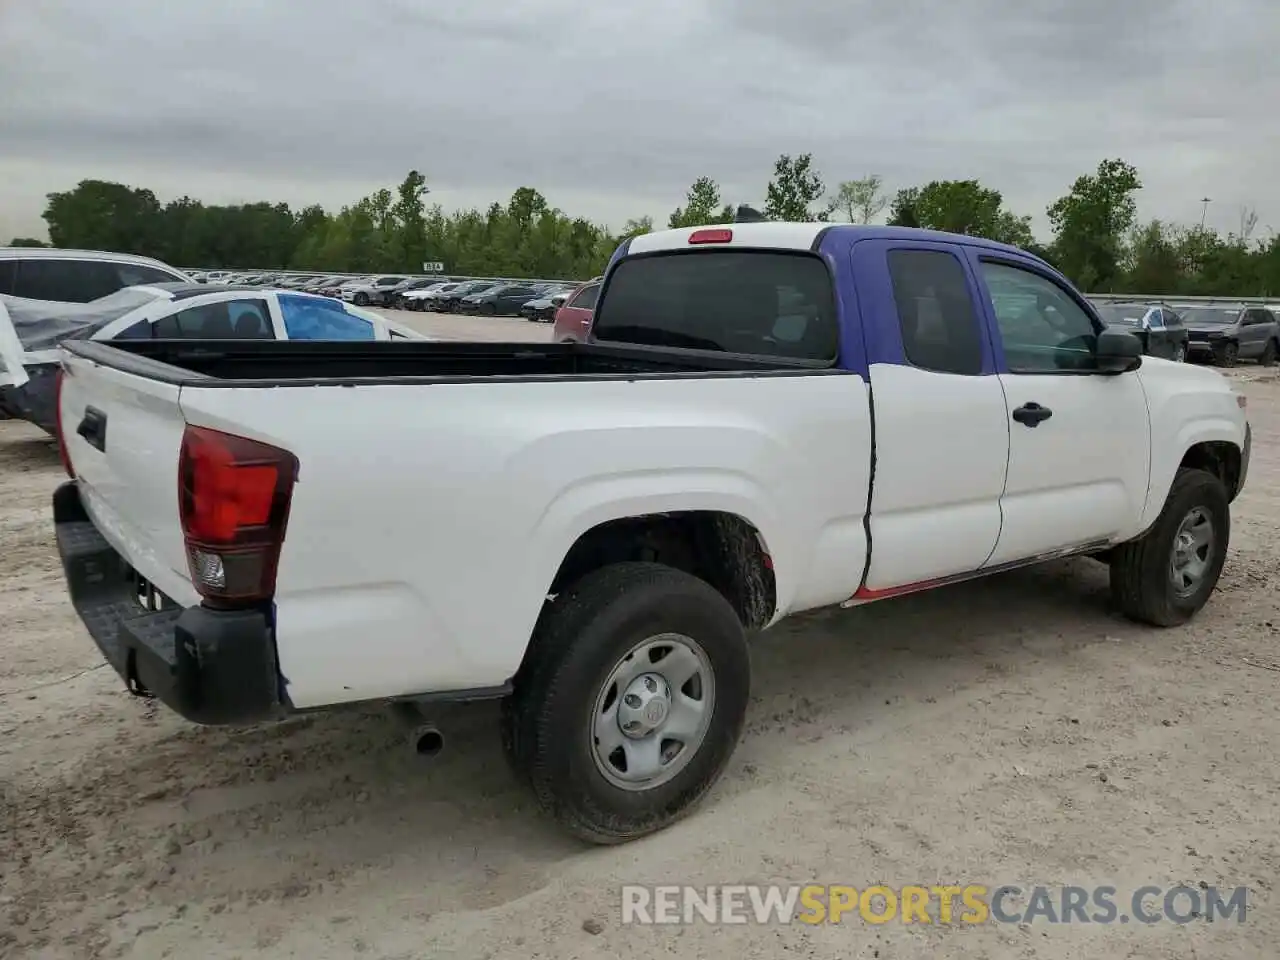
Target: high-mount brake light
233, 500
711, 236
63, 455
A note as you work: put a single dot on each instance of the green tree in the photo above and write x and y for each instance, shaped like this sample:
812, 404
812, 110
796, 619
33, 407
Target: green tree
27, 242
101, 215
795, 186
1091, 222
902, 212
408, 216
861, 201
702, 205
636, 226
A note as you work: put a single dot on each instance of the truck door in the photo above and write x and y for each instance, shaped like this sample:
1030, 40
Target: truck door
941, 430
1079, 441
12, 372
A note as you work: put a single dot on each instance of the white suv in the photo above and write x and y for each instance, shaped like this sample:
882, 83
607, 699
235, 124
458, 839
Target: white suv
77, 276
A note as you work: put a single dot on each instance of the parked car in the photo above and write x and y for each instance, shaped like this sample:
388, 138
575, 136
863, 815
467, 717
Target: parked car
399, 300
76, 276
448, 302
543, 308
177, 311
429, 298
395, 296
1225, 334
503, 299
573, 319
1157, 325
370, 292
716, 474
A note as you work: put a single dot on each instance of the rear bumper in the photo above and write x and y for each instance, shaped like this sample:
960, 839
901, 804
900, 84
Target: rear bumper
210, 666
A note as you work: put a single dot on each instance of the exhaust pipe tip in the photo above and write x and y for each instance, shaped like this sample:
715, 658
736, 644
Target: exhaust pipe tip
427, 742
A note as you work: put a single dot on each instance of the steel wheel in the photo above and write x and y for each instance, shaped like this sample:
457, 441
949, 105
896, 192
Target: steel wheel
1192, 555
653, 711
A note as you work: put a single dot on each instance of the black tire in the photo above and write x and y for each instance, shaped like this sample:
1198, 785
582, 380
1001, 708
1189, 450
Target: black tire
1268, 357
580, 636
1141, 578
1227, 354
488, 309
361, 299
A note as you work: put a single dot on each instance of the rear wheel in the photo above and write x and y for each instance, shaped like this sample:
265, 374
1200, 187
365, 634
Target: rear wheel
1268, 357
1166, 576
630, 702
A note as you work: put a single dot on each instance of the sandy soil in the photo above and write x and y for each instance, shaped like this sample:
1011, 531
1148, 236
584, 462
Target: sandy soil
1005, 731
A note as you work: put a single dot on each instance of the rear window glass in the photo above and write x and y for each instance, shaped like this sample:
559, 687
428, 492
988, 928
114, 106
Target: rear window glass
762, 303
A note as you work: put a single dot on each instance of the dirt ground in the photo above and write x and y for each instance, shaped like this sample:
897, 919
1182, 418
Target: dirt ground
1011, 730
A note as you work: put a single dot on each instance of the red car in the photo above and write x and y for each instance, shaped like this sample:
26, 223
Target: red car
573, 320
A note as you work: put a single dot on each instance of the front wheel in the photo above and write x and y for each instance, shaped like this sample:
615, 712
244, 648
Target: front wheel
362, 299
630, 702
488, 309
1268, 357
1180, 353
1227, 354
1165, 577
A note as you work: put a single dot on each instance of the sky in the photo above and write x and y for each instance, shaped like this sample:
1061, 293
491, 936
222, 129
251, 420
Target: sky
612, 109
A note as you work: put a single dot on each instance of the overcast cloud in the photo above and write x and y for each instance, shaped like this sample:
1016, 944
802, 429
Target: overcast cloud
612, 109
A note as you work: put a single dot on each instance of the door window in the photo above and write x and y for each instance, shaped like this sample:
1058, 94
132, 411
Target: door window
1042, 327
586, 300
940, 329
247, 319
68, 281
133, 274
1156, 319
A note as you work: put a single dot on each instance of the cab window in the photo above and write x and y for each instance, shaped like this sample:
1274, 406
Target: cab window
1042, 328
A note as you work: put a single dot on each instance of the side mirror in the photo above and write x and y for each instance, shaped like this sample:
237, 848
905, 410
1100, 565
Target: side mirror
1118, 351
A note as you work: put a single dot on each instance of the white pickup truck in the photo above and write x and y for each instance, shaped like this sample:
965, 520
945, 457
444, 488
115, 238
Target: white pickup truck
767, 418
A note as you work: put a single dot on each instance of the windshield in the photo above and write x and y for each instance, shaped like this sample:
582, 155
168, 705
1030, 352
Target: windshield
1209, 316
1130, 314
763, 303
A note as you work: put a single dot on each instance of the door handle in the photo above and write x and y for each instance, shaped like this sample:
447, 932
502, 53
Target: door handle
93, 427
1031, 414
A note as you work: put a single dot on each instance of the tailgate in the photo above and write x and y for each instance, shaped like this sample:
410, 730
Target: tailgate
123, 433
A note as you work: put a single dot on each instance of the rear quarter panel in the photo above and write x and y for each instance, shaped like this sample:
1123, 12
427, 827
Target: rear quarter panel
429, 520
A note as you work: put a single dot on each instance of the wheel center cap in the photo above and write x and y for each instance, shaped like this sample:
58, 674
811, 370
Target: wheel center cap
645, 706
655, 711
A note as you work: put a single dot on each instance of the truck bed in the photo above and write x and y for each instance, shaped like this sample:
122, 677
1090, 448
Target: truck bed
259, 362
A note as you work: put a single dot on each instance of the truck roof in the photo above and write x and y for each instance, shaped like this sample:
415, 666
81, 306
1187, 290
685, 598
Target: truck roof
799, 236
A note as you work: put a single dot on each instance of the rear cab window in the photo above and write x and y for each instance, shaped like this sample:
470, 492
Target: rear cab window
755, 302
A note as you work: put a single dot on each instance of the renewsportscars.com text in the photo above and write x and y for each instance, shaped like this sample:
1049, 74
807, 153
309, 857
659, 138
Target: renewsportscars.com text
934, 904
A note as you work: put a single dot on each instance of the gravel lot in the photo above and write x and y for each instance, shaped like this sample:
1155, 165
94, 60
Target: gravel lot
1011, 730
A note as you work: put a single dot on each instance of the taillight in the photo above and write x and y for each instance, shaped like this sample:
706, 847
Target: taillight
57, 423
711, 236
233, 499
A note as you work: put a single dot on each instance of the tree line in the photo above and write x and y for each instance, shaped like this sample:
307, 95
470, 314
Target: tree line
1097, 239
